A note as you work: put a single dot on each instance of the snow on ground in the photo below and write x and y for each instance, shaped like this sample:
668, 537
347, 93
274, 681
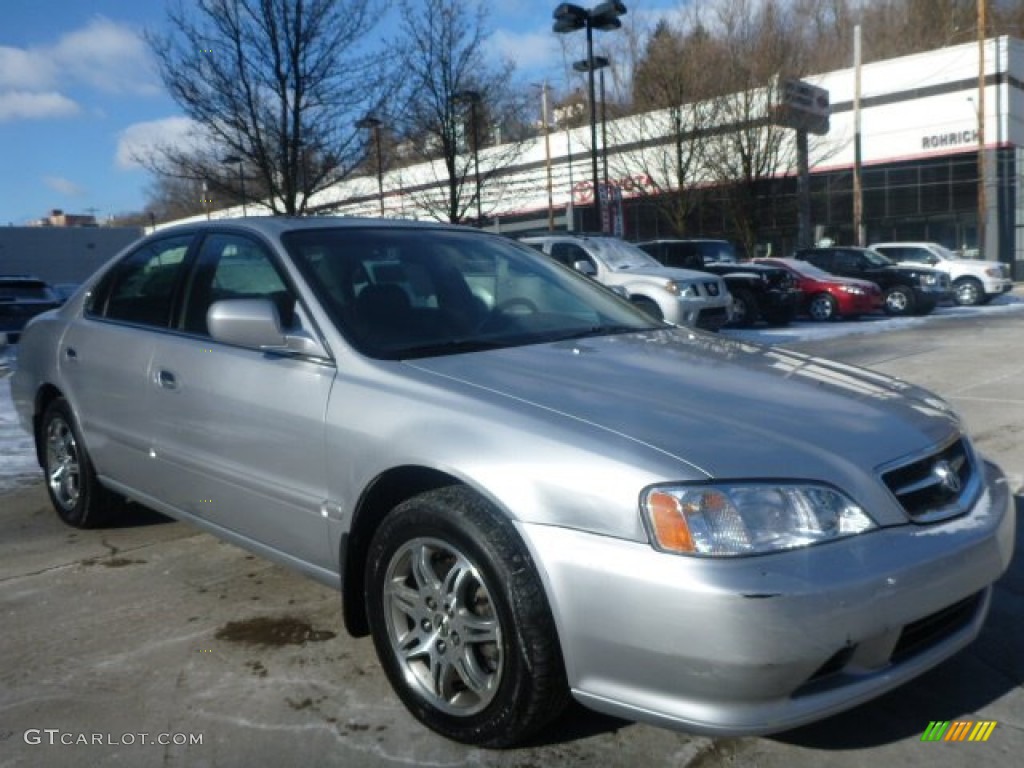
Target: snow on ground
18, 465
17, 458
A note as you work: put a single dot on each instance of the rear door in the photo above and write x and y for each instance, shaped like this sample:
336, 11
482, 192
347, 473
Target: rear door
105, 357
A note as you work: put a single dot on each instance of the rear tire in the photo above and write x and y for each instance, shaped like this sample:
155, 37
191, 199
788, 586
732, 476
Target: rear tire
460, 620
77, 496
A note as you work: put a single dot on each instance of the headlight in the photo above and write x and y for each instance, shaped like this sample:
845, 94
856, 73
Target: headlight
748, 518
929, 279
994, 271
856, 289
686, 290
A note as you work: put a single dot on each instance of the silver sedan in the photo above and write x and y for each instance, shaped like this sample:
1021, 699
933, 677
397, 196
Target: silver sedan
523, 487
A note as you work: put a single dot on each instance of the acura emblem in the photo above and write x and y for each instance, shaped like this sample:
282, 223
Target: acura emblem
948, 479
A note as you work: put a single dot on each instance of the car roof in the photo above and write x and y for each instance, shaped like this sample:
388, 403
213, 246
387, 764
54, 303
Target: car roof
277, 225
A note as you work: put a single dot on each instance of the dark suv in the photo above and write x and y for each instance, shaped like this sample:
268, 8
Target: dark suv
759, 291
906, 289
22, 298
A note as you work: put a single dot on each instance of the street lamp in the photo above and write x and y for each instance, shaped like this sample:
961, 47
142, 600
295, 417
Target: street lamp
598, 63
231, 160
373, 123
473, 98
569, 18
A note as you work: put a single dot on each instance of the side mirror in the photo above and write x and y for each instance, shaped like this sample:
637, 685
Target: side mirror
585, 267
254, 323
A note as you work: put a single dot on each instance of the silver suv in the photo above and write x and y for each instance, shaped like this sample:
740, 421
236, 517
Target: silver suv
974, 282
680, 296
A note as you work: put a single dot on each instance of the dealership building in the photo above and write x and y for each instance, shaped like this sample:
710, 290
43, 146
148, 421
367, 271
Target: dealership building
920, 166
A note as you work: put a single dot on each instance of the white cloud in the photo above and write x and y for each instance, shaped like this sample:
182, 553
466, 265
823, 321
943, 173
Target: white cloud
142, 140
107, 56
26, 69
64, 186
103, 55
26, 105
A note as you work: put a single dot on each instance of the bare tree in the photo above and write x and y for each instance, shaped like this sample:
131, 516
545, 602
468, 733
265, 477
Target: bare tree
665, 138
271, 83
755, 43
449, 84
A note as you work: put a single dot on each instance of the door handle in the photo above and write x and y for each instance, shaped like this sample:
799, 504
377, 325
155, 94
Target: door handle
166, 379
70, 353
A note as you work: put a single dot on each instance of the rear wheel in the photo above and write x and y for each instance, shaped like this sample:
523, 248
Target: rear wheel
460, 620
899, 300
823, 307
76, 494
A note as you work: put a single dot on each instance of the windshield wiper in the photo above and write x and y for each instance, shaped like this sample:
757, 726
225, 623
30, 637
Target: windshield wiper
597, 330
450, 347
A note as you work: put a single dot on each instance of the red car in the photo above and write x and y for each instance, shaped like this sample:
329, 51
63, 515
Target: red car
828, 296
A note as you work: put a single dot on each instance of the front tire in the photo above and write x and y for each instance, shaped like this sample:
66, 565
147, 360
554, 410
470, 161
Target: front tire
968, 292
649, 307
77, 496
744, 308
460, 620
823, 307
899, 301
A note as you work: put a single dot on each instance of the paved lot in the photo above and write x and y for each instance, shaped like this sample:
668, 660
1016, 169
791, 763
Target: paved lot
155, 629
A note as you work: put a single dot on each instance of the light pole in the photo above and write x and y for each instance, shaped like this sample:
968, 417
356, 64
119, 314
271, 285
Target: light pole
569, 18
232, 160
547, 152
589, 65
373, 123
473, 98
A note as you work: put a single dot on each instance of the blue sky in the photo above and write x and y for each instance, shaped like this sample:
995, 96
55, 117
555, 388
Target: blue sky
78, 91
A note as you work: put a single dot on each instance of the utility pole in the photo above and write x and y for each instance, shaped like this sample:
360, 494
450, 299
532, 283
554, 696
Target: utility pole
858, 189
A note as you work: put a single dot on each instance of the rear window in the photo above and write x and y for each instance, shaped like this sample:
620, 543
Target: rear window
21, 289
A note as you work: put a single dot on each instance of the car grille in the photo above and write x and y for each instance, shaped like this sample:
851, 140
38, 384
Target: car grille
937, 487
711, 288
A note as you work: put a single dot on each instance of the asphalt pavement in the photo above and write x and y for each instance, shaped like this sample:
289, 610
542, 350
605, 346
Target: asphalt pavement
113, 641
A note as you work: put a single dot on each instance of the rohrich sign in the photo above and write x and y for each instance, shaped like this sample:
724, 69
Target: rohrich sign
950, 139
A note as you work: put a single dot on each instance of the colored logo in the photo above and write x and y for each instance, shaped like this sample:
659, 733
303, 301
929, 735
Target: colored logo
958, 730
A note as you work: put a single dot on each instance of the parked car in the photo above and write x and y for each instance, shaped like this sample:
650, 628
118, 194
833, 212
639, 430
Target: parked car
679, 296
759, 292
906, 290
539, 493
825, 296
974, 282
690, 253
22, 297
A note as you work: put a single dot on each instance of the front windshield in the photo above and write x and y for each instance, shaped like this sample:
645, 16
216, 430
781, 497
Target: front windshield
944, 253
406, 292
618, 254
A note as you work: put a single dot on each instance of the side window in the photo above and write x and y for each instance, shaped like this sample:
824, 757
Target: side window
234, 267
142, 287
569, 254
848, 261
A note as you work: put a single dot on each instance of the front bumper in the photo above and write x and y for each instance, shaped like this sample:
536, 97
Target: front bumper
997, 286
763, 644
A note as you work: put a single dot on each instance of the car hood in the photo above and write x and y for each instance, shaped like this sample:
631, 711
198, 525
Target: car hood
726, 408
667, 273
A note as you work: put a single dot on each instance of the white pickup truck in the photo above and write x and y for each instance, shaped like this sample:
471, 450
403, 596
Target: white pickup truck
974, 282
